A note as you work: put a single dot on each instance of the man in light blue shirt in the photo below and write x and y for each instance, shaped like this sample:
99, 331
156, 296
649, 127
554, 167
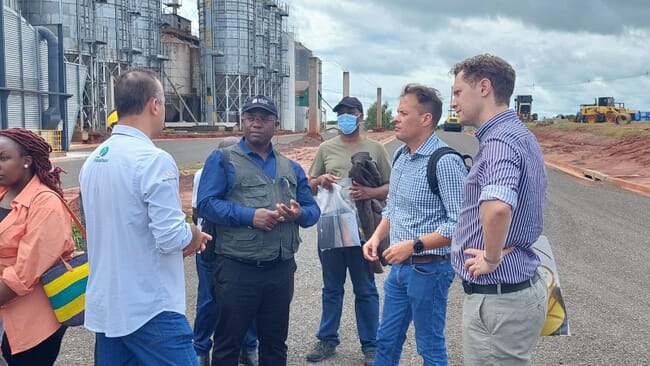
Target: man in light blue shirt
137, 237
420, 224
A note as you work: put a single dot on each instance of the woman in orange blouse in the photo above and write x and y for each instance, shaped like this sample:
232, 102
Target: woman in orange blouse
35, 232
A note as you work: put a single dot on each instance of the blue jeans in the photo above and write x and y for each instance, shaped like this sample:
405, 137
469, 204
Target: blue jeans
335, 263
206, 312
166, 339
415, 292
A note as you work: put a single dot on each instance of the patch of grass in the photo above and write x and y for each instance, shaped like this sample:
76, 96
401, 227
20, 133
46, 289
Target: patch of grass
605, 129
79, 241
193, 166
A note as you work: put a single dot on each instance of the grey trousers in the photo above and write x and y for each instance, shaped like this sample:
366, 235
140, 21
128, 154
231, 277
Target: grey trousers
503, 329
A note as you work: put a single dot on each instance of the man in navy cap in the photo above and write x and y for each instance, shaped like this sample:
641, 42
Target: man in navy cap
333, 162
257, 198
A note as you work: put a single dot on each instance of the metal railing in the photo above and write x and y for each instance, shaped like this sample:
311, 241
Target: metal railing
53, 137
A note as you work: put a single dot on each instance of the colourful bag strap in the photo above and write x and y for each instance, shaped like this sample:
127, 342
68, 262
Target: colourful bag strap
74, 217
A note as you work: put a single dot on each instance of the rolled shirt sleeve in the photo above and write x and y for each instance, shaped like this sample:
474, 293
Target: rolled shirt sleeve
47, 238
500, 172
160, 191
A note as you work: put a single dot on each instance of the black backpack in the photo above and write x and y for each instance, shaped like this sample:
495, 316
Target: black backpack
432, 176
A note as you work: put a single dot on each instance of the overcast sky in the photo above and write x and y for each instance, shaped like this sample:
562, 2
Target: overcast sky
565, 53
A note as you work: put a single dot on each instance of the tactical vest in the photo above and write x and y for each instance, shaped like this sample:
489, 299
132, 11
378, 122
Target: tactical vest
253, 188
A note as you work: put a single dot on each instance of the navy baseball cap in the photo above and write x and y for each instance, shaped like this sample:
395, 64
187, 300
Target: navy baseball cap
262, 102
350, 102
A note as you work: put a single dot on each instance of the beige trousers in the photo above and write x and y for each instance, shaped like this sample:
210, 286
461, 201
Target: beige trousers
503, 329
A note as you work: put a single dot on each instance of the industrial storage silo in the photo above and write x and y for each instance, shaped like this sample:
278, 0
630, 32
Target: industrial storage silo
133, 35
145, 34
131, 39
236, 42
76, 17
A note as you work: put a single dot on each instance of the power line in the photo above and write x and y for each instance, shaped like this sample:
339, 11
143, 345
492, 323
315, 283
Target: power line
320, 95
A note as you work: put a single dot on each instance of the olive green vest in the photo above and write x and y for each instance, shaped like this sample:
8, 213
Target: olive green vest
253, 188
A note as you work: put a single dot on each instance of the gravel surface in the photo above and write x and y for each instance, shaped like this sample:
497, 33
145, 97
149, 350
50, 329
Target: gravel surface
600, 238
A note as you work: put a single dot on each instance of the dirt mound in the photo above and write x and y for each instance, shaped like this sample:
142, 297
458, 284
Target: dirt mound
624, 157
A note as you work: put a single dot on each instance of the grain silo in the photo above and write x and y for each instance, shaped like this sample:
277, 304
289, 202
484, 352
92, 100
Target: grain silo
131, 39
241, 55
32, 75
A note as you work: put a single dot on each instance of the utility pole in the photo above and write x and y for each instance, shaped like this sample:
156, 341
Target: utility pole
380, 113
346, 83
314, 111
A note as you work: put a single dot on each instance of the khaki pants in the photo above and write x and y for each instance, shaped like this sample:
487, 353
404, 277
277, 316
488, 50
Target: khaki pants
503, 329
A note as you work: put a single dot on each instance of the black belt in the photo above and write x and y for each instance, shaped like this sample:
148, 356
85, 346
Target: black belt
249, 262
499, 288
428, 258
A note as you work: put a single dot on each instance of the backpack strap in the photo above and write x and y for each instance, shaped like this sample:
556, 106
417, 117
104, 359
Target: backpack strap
432, 175
397, 155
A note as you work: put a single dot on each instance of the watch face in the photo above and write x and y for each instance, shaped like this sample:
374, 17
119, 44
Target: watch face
418, 246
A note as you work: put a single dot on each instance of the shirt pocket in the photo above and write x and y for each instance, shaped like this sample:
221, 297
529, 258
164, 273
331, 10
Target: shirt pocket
289, 187
255, 193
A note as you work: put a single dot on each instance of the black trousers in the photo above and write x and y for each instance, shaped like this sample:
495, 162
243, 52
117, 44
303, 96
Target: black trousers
43, 354
244, 293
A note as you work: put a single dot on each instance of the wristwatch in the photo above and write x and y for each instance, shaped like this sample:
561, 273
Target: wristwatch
418, 245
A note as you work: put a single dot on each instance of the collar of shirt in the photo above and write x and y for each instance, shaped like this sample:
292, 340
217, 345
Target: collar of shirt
268, 165
131, 131
505, 115
244, 147
28, 192
425, 149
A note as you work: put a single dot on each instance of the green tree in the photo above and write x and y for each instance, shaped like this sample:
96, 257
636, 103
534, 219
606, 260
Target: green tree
371, 117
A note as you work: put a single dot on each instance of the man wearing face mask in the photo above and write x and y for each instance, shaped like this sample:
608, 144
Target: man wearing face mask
332, 163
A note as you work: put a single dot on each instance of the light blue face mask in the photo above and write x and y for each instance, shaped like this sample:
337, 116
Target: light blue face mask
347, 123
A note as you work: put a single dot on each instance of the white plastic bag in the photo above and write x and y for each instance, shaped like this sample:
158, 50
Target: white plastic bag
557, 320
338, 226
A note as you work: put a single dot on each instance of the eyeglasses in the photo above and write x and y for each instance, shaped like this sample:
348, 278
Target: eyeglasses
267, 119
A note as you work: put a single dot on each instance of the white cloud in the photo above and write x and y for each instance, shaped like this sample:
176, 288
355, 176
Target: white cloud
565, 53
560, 50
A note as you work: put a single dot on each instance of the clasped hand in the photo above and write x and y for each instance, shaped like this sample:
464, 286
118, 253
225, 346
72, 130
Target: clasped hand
265, 219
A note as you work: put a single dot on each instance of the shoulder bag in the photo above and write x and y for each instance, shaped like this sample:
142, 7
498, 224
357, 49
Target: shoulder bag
65, 283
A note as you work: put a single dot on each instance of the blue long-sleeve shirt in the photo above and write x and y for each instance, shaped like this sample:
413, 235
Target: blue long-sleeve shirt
213, 187
413, 210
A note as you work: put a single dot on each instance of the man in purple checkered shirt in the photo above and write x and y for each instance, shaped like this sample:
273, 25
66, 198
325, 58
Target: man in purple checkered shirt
500, 218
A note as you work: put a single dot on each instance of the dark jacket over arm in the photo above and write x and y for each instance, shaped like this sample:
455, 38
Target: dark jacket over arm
364, 171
